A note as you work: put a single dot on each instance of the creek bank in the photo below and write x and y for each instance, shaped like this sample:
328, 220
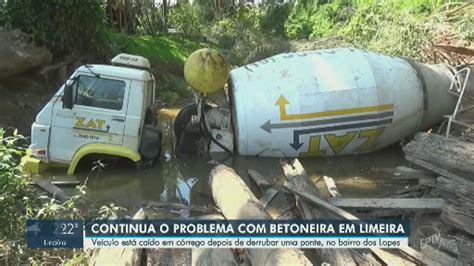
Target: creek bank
23, 96
19, 54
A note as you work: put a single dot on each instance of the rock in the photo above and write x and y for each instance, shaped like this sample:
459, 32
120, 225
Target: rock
19, 55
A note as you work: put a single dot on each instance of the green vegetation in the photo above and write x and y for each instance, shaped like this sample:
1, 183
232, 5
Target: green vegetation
160, 50
399, 28
245, 33
167, 55
188, 20
64, 26
20, 201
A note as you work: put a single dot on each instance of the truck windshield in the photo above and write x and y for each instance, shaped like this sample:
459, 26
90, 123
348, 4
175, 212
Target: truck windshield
99, 92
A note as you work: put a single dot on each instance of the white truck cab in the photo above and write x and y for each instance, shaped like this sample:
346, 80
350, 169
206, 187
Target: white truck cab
101, 109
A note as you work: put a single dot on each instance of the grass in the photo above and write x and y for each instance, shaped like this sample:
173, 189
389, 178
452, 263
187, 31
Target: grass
160, 50
166, 54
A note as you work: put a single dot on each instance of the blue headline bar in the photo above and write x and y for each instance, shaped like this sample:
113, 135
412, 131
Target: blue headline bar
242, 228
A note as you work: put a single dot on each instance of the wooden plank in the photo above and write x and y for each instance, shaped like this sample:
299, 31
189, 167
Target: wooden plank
388, 258
408, 173
458, 192
439, 256
267, 196
236, 201
414, 191
296, 174
208, 256
459, 217
61, 183
281, 208
365, 258
459, 212
446, 156
433, 204
55, 191
332, 188
427, 182
179, 206
437, 169
258, 178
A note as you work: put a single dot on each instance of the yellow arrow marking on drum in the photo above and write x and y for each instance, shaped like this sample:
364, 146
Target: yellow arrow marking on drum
282, 102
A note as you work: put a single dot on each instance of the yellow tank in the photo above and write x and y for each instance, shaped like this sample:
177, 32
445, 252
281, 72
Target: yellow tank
206, 70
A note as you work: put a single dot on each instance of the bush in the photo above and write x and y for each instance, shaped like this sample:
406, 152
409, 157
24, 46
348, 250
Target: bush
266, 48
384, 28
172, 89
316, 20
298, 25
273, 19
118, 43
64, 26
388, 27
20, 201
188, 20
242, 25
5, 20
149, 17
239, 34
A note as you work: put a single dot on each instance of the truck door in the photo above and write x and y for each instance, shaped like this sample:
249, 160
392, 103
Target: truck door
98, 115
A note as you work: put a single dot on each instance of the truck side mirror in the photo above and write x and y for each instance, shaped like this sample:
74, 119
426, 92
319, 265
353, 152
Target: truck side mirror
67, 96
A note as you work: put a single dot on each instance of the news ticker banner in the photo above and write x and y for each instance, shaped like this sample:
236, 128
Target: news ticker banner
217, 234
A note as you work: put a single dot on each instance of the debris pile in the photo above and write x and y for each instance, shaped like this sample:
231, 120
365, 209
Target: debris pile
449, 173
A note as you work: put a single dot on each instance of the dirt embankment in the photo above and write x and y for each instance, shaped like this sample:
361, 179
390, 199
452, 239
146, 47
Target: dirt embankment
22, 92
18, 54
28, 78
22, 97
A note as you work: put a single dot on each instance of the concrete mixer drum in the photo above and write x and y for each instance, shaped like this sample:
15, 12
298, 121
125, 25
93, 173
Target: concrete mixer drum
330, 102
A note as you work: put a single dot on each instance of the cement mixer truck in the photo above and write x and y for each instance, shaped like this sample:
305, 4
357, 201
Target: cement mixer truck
316, 103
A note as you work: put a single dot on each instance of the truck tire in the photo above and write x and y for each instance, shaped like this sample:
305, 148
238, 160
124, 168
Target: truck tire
187, 136
150, 116
150, 147
184, 117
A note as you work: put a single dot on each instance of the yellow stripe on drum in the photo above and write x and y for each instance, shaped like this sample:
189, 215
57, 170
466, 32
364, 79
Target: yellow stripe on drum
377, 108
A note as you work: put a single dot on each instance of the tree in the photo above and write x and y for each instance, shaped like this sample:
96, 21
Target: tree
165, 15
64, 26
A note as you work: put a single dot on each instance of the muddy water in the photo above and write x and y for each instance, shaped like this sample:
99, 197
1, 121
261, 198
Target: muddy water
186, 179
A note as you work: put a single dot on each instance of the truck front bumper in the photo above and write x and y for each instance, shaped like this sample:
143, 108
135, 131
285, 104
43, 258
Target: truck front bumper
31, 165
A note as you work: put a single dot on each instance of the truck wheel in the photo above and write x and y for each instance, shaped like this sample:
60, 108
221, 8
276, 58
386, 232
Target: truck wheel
151, 143
187, 136
150, 116
183, 118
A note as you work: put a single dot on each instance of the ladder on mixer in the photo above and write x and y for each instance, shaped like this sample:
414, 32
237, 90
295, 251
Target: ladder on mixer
460, 93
